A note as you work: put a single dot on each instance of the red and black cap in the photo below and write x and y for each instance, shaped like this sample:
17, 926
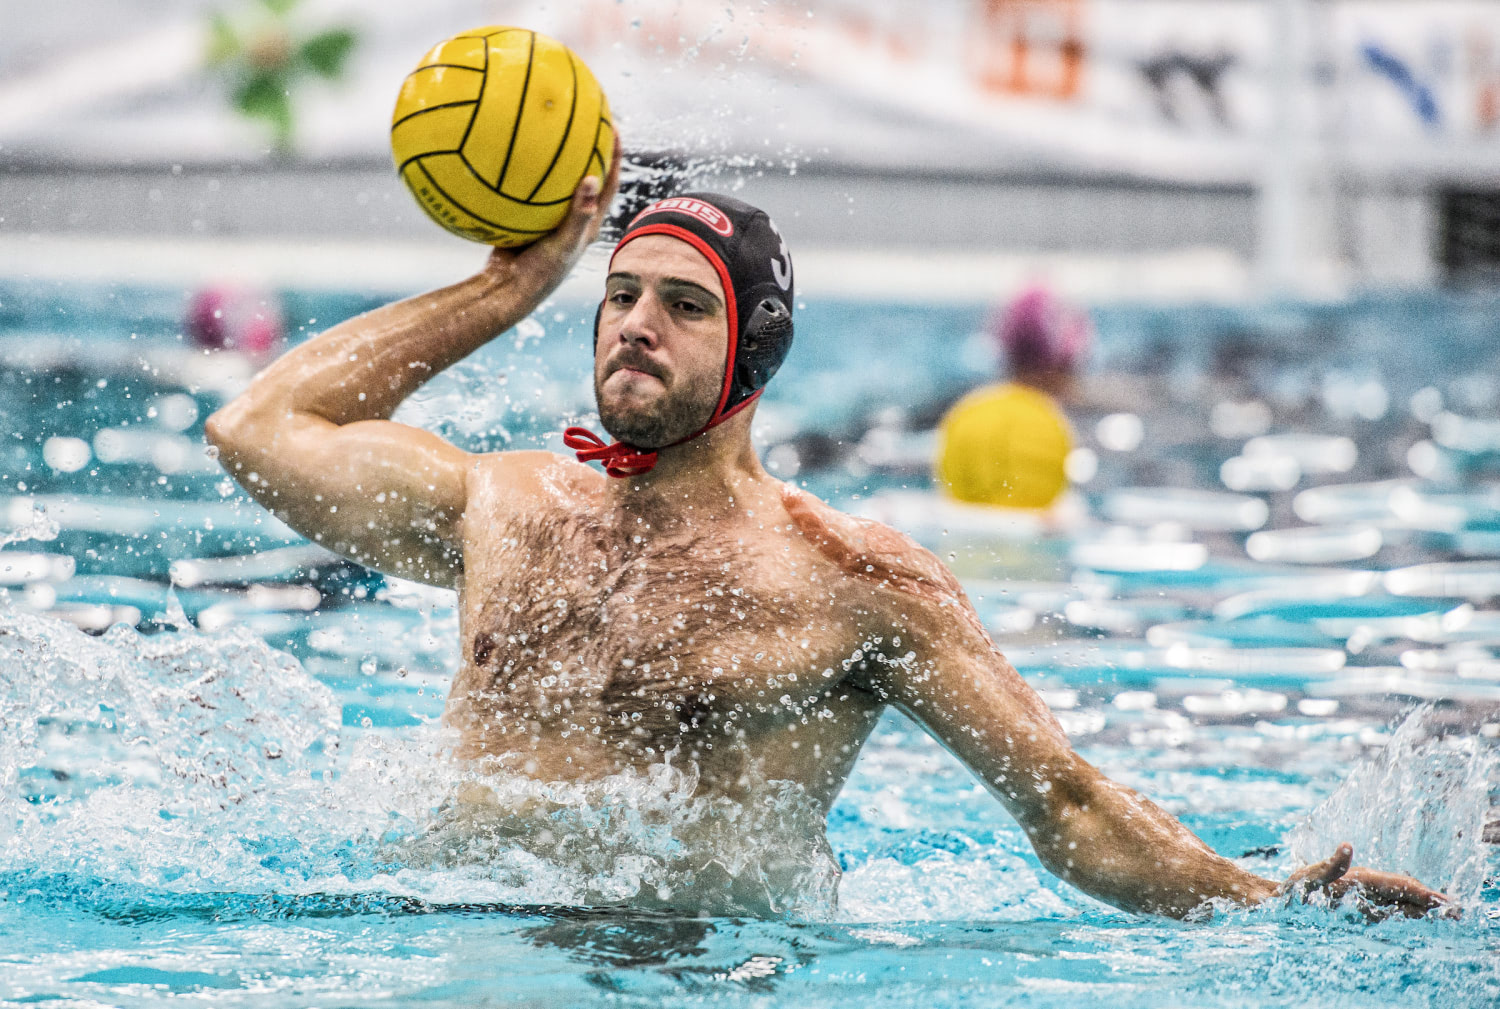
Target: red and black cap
755, 268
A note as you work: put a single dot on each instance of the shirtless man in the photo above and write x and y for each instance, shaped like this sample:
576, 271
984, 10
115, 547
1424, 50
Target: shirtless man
687, 604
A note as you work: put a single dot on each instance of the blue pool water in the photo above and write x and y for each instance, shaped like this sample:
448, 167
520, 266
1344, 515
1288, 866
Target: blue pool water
228, 793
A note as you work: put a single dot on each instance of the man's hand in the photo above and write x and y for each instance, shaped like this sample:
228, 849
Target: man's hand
1381, 894
545, 262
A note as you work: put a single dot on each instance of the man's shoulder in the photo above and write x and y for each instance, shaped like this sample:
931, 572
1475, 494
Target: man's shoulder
869, 551
529, 482
532, 469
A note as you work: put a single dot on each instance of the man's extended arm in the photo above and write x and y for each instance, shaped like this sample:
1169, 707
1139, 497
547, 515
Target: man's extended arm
310, 438
1097, 834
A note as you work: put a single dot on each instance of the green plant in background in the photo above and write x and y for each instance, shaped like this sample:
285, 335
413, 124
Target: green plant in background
263, 58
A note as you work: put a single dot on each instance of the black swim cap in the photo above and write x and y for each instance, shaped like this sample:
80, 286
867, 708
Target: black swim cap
745, 249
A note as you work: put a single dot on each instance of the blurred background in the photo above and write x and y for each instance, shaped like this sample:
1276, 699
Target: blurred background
1256, 244
1193, 148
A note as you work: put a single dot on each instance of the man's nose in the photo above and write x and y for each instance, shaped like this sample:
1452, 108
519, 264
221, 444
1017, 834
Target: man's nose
640, 324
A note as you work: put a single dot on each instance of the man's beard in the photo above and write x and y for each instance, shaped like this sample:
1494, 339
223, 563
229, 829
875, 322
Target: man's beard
665, 421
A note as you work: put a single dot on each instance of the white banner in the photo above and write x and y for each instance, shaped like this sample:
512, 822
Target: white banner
1160, 89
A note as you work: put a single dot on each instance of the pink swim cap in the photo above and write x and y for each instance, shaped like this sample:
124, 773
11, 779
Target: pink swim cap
1038, 331
227, 317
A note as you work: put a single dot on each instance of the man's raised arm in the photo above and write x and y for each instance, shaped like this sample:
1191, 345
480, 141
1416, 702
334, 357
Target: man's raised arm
310, 438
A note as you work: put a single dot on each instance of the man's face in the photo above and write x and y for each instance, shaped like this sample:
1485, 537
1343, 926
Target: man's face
663, 342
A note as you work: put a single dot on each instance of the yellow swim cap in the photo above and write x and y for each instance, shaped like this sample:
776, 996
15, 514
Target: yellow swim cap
1004, 445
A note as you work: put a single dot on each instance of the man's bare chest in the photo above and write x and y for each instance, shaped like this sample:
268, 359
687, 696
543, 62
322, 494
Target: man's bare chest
573, 617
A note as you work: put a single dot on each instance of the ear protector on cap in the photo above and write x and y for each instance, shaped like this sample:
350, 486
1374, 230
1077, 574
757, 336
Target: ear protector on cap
764, 344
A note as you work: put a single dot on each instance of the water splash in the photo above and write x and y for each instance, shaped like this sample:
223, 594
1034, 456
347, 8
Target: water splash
139, 755
31, 523
183, 763
944, 885
149, 770
646, 839
1418, 807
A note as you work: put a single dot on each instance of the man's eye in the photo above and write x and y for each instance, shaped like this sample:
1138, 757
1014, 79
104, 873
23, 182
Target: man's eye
622, 298
690, 307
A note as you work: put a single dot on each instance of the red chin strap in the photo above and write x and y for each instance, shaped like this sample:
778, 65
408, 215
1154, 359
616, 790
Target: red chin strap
621, 460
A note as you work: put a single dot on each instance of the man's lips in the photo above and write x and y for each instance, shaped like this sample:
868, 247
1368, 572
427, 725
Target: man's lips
637, 367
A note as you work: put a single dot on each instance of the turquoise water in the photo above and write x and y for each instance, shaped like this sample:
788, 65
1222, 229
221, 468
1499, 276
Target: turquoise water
227, 793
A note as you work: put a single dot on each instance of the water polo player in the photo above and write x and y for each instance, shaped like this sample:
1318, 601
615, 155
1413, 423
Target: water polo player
686, 605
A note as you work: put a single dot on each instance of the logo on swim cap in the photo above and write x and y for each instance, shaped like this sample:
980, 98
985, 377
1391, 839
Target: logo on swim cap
705, 212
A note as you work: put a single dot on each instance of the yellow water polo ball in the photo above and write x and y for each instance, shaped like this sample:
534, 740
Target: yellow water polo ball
1004, 445
494, 130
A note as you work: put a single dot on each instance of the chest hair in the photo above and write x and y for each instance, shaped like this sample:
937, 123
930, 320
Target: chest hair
639, 633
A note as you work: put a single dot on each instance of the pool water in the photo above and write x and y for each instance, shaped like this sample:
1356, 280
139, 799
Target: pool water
220, 770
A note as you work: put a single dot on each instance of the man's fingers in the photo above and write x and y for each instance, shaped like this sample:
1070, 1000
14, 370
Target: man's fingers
586, 197
603, 194
557, 252
1321, 874
1335, 865
586, 212
581, 212
1377, 906
1393, 888
590, 202
612, 180
1381, 893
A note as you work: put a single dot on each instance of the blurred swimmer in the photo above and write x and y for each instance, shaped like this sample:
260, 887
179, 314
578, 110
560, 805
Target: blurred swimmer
687, 607
1044, 340
235, 318
1007, 444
